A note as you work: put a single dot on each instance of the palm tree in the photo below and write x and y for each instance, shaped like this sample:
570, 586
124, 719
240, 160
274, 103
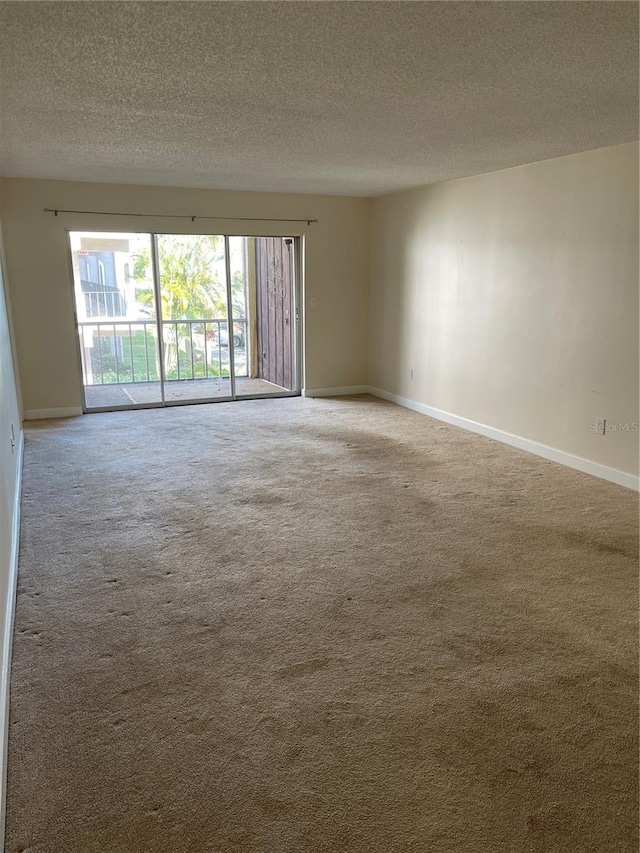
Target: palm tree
192, 284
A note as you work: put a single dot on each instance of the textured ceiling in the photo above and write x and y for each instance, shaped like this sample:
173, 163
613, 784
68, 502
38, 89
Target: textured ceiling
357, 98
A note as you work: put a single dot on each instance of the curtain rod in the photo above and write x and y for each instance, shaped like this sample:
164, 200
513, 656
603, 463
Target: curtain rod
58, 210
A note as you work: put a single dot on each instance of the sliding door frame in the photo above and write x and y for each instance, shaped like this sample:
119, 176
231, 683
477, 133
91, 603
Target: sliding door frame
232, 349
155, 271
296, 298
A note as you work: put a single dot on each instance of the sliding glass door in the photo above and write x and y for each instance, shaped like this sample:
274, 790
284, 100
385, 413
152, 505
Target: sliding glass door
192, 280
117, 319
165, 319
264, 314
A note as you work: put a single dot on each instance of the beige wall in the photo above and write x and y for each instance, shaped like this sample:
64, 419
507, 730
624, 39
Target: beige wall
336, 270
514, 298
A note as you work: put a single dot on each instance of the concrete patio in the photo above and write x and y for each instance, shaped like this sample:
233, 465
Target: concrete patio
146, 393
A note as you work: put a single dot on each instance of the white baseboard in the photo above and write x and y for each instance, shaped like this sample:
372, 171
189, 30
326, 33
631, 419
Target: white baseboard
7, 637
41, 414
613, 475
341, 391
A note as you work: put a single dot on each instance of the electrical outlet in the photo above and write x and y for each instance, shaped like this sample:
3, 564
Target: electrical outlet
411, 373
313, 302
601, 426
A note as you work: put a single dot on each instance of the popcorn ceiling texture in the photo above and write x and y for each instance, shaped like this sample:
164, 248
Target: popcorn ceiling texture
349, 98
296, 626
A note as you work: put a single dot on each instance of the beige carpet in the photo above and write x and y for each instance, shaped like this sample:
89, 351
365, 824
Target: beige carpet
293, 626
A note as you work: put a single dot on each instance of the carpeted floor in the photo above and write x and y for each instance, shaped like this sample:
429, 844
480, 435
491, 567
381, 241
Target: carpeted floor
292, 626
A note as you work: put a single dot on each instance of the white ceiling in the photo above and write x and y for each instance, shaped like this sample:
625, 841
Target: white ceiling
356, 98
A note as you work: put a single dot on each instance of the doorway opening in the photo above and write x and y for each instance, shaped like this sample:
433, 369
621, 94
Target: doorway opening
171, 319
